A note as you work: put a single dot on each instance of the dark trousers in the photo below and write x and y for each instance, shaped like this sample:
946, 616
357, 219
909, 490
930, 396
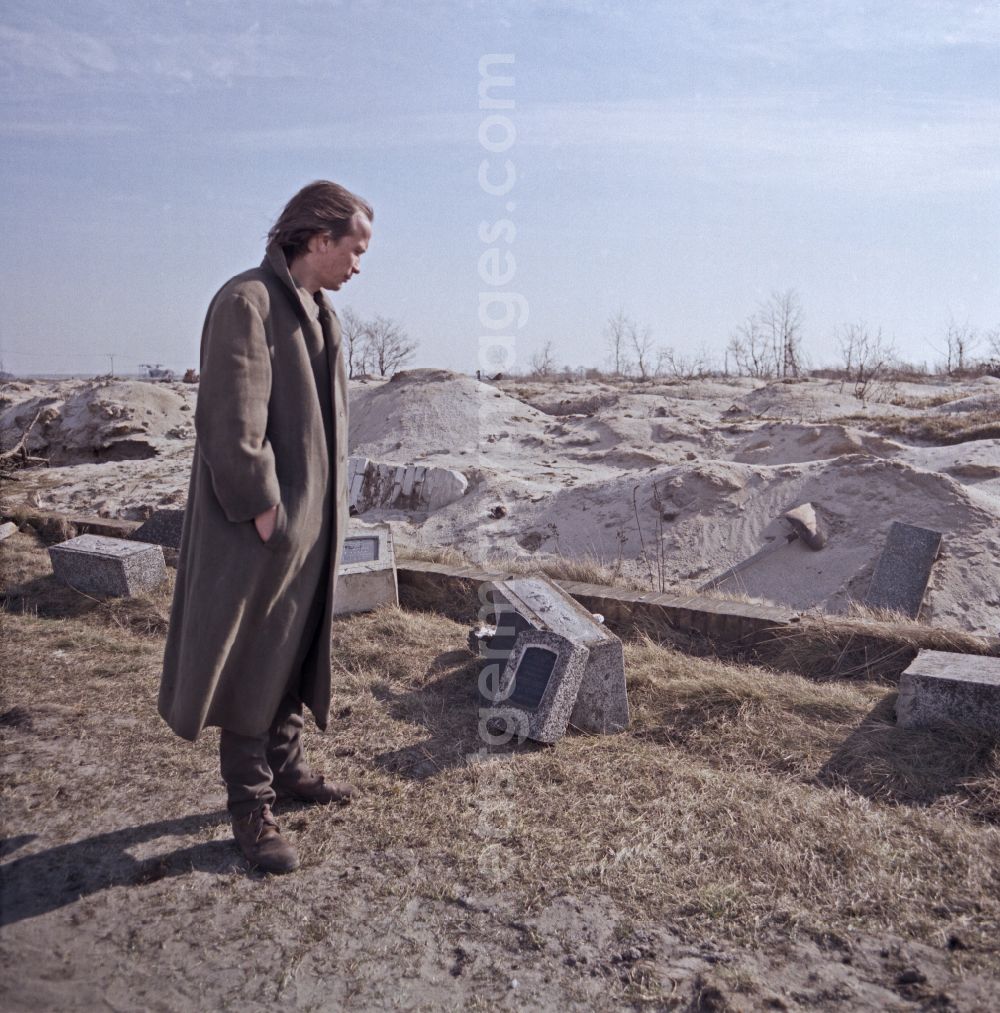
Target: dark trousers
252, 763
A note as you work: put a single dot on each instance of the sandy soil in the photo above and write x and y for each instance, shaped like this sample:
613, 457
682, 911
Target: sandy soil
665, 483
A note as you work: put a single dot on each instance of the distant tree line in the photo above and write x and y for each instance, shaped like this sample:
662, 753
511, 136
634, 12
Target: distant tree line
768, 344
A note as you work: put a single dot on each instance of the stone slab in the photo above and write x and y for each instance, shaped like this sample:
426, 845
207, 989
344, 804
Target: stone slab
164, 527
537, 603
96, 564
941, 688
904, 569
367, 575
539, 686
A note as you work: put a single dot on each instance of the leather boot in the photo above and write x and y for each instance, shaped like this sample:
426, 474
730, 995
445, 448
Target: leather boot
260, 840
305, 786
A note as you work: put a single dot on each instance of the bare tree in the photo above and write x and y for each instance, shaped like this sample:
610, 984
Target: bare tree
543, 362
781, 318
386, 345
751, 349
352, 329
993, 342
683, 367
641, 340
616, 333
961, 341
867, 358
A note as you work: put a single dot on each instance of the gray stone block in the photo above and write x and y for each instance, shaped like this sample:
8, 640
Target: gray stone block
940, 687
164, 527
367, 574
96, 564
521, 604
904, 569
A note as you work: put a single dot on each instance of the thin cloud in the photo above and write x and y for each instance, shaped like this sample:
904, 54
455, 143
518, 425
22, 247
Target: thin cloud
67, 54
914, 146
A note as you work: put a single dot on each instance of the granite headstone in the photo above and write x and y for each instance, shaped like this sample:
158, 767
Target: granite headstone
367, 574
163, 527
97, 564
941, 687
539, 686
904, 569
521, 604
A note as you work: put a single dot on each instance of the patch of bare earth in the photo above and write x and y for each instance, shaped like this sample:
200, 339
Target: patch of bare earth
755, 841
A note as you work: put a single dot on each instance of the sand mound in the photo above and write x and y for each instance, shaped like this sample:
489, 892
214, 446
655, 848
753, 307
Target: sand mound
421, 414
789, 444
661, 482
101, 421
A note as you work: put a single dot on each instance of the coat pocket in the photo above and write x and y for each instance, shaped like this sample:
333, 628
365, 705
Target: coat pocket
280, 533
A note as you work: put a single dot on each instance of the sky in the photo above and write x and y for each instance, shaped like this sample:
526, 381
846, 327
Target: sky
678, 161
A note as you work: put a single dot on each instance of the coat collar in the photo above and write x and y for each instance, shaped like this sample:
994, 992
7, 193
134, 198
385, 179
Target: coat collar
311, 304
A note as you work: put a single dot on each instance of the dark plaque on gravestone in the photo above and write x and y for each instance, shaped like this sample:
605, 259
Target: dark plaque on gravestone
532, 677
904, 569
360, 549
162, 528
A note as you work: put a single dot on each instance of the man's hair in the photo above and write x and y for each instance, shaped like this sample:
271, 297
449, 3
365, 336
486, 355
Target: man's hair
319, 207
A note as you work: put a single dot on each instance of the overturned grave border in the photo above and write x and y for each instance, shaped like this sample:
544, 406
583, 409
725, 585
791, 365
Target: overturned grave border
821, 646
775, 635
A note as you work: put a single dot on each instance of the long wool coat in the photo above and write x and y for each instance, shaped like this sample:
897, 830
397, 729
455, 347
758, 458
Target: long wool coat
251, 619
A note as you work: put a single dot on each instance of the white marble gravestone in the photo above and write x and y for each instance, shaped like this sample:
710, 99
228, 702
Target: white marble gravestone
96, 564
367, 574
526, 611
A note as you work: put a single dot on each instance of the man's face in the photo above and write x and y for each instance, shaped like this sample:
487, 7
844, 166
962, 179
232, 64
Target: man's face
339, 260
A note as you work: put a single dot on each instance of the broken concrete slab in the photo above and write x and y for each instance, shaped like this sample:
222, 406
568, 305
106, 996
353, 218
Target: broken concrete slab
376, 485
96, 564
904, 569
520, 604
367, 575
941, 688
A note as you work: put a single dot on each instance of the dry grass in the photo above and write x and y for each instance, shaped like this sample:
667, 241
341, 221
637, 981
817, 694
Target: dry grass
767, 800
586, 569
28, 586
743, 802
866, 644
936, 430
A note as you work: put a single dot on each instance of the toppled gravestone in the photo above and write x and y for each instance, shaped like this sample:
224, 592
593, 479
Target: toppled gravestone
551, 663
904, 569
941, 688
119, 567
163, 527
367, 574
373, 485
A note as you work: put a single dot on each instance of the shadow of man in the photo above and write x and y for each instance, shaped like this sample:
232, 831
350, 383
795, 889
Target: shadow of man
39, 883
449, 708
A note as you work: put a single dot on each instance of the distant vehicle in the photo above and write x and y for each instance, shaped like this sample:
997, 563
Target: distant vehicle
157, 371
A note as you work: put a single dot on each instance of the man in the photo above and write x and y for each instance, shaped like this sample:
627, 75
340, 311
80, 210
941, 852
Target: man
249, 639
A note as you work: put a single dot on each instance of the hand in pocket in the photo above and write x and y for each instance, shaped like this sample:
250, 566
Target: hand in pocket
264, 523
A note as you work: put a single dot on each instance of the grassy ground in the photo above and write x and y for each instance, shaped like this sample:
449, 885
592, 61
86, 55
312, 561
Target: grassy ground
756, 840
935, 430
